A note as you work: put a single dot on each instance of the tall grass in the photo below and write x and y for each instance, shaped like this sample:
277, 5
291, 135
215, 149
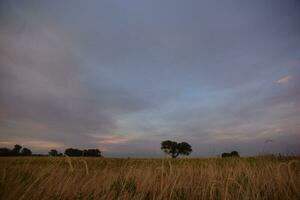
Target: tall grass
104, 178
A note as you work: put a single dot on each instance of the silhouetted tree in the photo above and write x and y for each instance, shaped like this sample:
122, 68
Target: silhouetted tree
73, 152
53, 152
16, 150
92, 153
175, 149
234, 154
184, 148
26, 152
225, 155
170, 147
5, 152
85, 152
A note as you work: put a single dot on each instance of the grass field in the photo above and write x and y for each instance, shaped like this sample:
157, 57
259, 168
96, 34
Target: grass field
107, 178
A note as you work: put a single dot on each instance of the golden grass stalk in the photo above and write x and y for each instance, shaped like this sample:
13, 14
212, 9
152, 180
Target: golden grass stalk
4, 175
162, 175
70, 163
172, 189
27, 190
170, 166
86, 166
291, 174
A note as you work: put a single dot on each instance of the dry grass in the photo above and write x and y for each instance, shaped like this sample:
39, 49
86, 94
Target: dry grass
98, 178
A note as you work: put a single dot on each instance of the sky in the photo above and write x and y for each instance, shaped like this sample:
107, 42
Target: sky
122, 76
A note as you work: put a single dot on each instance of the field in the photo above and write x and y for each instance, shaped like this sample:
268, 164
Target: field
54, 178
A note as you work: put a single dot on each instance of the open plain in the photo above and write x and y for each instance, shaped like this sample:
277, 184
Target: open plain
36, 178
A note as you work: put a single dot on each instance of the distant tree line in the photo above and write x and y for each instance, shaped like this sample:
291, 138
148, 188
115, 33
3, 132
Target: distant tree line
54, 152
16, 151
85, 152
19, 151
77, 152
172, 148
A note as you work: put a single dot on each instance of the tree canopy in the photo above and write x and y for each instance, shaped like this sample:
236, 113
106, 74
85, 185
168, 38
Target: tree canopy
175, 149
17, 148
53, 152
232, 154
26, 152
92, 152
86, 152
16, 151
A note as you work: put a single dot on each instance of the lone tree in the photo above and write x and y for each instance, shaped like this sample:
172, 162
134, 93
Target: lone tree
17, 148
53, 152
175, 149
26, 152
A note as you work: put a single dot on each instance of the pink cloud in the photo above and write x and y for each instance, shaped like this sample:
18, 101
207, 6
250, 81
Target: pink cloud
110, 139
32, 143
285, 80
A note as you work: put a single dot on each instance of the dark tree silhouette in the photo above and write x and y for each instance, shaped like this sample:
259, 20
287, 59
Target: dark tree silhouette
53, 152
73, 152
26, 152
184, 148
16, 150
92, 153
232, 154
5, 152
170, 147
175, 149
225, 155
86, 152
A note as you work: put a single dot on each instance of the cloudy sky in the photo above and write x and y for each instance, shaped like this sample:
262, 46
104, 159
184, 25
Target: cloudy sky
122, 76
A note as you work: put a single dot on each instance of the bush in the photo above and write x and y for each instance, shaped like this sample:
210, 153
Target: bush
232, 154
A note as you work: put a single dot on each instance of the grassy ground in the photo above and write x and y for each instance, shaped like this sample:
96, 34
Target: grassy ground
104, 178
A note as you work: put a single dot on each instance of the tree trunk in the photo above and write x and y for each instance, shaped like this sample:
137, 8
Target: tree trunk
174, 155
